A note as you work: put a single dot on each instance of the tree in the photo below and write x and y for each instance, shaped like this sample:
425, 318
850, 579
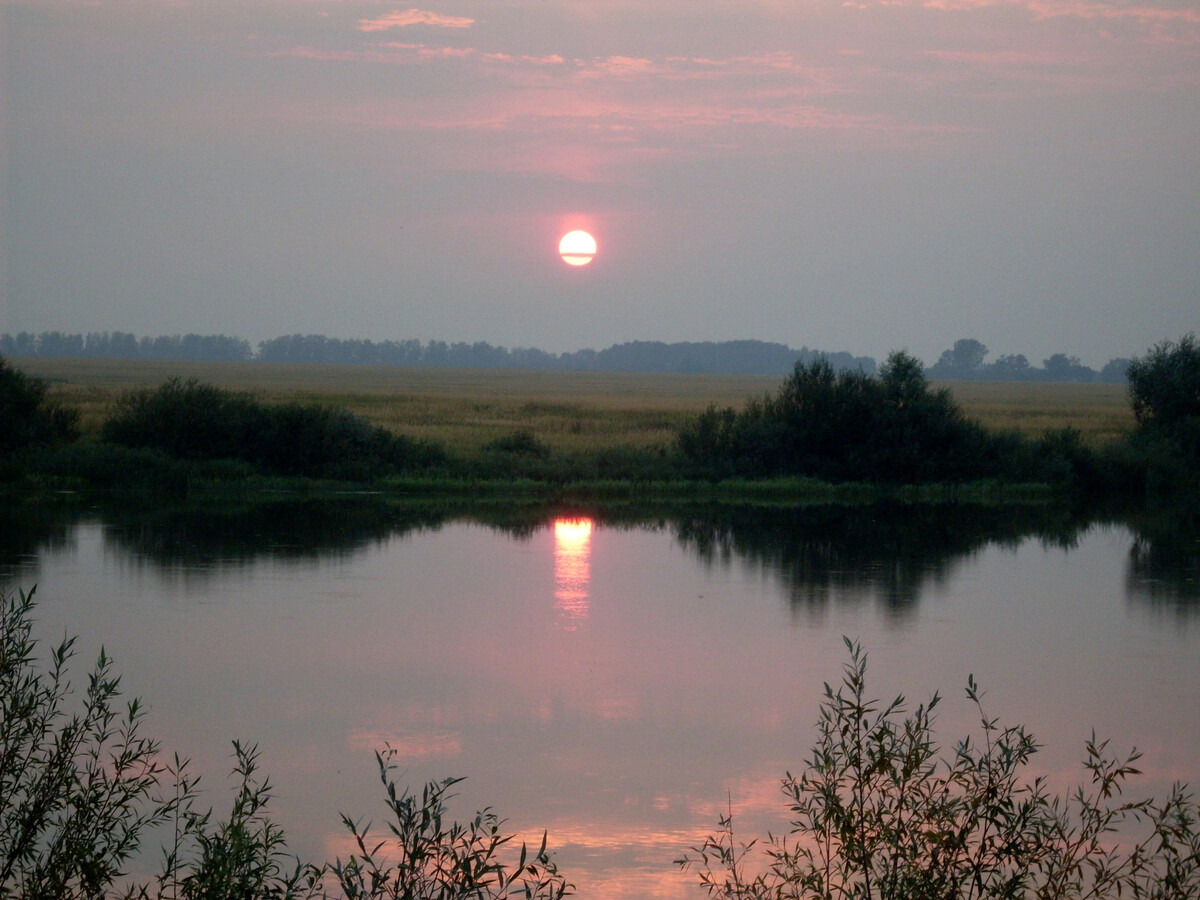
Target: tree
1011, 367
428, 857
1061, 367
27, 416
79, 790
1115, 371
963, 360
1164, 385
845, 426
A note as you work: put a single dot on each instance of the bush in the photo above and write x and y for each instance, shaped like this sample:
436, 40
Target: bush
78, 791
194, 421
244, 856
27, 417
75, 787
521, 442
847, 426
877, 812
427, 858
1164, 392
1164, 385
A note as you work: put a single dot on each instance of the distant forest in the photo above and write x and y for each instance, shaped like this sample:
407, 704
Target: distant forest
964, 361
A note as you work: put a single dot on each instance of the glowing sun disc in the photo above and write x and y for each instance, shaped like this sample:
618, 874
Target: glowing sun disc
577, 248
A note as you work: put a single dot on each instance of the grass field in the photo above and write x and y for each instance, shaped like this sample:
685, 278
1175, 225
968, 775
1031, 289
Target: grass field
569, 411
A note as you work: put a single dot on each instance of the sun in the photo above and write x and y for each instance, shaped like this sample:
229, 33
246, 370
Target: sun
577, 248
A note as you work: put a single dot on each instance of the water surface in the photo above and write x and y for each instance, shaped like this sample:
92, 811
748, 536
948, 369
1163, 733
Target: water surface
616, 681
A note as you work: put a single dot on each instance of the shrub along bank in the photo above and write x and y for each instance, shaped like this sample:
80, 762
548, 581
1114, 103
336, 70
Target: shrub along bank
821, 425
893, 428
192, 421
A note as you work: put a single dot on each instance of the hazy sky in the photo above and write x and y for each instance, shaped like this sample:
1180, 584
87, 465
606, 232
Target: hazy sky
842, 175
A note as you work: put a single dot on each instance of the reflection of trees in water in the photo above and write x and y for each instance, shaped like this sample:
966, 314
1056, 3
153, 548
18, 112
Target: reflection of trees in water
889, 553
1164, 561
202, 537
27, 530
287, 529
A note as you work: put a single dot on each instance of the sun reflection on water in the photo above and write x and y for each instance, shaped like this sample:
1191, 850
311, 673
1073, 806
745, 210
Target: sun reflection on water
572, 571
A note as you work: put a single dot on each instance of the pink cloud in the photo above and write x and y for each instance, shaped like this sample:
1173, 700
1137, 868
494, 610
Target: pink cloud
1090, 10
413, 17
623, 67
552, 59
1083, 9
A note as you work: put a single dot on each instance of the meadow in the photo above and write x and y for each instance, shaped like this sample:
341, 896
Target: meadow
568, 411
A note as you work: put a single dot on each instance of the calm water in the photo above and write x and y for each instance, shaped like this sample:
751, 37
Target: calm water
615, 682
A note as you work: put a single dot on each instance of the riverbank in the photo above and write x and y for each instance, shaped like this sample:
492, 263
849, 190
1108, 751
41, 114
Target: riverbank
548, 436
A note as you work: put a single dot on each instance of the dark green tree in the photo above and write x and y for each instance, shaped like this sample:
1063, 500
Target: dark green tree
1164, 385
846, 426
194, 421
27, 416
1164, 391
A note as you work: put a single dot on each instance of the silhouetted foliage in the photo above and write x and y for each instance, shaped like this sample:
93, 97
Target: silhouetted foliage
965, 361
1061, 367
27, 416
79, 790
427, 857
1164, 391
1164, 385
76, 784
194, 421
879, 812
847, 426
1011, 367
747, 357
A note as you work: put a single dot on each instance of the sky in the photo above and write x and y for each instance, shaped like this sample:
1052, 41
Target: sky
842, 175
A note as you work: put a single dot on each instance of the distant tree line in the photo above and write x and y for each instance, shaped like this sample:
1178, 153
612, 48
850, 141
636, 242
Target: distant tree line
121, 345
966, 360
715, 357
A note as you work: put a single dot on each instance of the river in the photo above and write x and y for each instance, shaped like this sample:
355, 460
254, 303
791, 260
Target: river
617, 679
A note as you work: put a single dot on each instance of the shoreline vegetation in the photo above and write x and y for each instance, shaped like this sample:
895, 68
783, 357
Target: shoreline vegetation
822, 435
